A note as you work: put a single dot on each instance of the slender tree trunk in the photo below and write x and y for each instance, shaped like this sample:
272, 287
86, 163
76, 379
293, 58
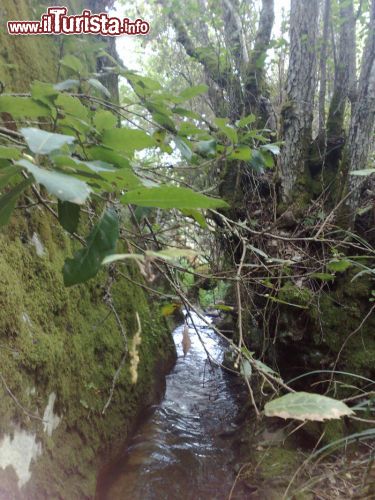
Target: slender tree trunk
255, 88
344, 71
323, 67
297, 112
361, 133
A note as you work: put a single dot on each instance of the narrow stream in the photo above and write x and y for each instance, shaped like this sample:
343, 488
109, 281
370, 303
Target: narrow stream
182, 451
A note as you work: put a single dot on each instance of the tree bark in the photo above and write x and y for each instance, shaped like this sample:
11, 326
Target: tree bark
361, 132
297, 112
344, 84
323, 67
254, 74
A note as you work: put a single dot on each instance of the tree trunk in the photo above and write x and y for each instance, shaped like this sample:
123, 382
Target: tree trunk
361, 132
255, 92
297, 112
323, 68
344, 71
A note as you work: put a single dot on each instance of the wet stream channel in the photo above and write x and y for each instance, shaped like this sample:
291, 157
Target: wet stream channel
183, 450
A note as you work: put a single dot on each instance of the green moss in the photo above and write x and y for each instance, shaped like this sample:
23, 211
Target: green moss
295, 295
24, 58
68, 341
276, 462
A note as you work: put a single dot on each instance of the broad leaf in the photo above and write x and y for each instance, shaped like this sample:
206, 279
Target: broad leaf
243, 153
66, 85
64, 187
230, 132
206, 148
196, 215
73, 63
104, 120
20, 107
100, 243
339, 265
171, 197
184, 149
127, 140
245, 369
191, 92
169, 309
73, 107
45, 93
42, 142
307, 406
247, 120
272, 148
9, 153
96, 84
363, 172
8, 201
323, 276
68, 215
7, 173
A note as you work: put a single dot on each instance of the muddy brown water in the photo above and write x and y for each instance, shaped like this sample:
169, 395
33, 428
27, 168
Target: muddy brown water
184, 449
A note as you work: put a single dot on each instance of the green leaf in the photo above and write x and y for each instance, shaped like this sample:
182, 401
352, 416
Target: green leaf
96, 84
206, 148
108, 155
230, 132
122, 178
8, 201
257, 161
7, 173
142, 81
267, 159
164, 120
64, 187
194, 91
247, 120
73, 63
245, 369
339, 265
196, 215
127, 140
186, 112
171, 197
66, 85
100, 243
169, 309
323, 276
20, 107
364, 171
307, 406
241, 153
9, 153
42, 142
44, 93
263, 367
72, 106
68, 215
104, 120
184, 149
272, 148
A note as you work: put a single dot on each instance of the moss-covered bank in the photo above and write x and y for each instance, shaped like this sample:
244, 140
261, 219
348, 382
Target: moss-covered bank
63, 341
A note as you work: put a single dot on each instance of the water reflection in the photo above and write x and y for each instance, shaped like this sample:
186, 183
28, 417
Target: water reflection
178, 452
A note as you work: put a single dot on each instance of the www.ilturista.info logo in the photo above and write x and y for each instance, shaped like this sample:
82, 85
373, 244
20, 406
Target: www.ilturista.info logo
57, 22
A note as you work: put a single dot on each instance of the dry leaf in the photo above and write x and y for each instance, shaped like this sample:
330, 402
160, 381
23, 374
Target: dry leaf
186, 342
